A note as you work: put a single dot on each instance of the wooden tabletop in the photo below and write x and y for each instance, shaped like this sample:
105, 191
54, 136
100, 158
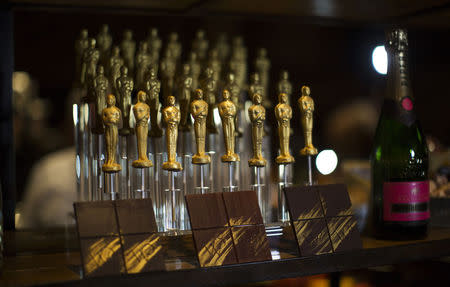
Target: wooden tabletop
35, 263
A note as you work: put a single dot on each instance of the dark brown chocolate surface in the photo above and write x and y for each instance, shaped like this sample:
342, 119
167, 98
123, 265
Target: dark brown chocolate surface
251, 243
143, 253
312, 237
96, 218
344, 233
214, 247
136, 216
101, 256
303, 202
335, 200
206, 210
242, 208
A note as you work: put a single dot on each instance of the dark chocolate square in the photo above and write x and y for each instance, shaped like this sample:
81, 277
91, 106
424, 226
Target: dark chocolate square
96, 218
101, 256
214, 247
206, 210
312, 237
303, 202
344, 233
136, 216
335, 200
251, 243
242, 208
143, 253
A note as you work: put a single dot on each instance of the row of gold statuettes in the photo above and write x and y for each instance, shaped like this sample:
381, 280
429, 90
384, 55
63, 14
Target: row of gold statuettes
111, 116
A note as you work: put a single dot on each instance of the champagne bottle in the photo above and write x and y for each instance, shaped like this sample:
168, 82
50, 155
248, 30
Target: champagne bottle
399, 159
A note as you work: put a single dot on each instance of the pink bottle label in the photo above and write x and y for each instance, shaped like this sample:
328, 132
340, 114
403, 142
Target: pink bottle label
406, 201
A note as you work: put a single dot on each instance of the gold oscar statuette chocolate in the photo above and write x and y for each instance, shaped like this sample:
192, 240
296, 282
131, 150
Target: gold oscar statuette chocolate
235, 92
283, 114
257, 115
185, 89
111, 119
171, 116
306, 105
100, 85
209, 87
125, 86
141, 113
227, 111
199, 111
153, 87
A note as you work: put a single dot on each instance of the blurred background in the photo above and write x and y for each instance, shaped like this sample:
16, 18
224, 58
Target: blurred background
335, 60
332, 53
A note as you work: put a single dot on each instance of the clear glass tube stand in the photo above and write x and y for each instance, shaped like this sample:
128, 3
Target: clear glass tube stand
173, 208
142, 181
230, 175
260, 187
125, 163
284, 180
111, 186
97, 162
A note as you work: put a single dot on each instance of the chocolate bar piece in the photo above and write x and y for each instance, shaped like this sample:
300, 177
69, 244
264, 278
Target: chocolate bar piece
136, 216
242, 208
303, 202
214, 247
312, 237
96, 218
143, 253
335, 200
344, 233
101, 256
206, 210
251, 243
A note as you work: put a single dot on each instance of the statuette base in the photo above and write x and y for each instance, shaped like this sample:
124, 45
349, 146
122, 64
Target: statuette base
283, 159
308, 150
111, 168
258, 162
140, 163
230, 157
172, 166
201, 159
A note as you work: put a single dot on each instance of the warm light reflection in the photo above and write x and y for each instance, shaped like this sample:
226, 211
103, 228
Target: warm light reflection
216, 250
326, 161
75, 114
101, 252
138, 255
380, 60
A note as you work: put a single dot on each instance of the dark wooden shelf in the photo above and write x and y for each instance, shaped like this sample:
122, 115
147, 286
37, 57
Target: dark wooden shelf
374, 253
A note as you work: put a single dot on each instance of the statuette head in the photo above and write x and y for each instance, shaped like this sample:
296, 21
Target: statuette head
171, 100
110, 100
100, 70
226, 95
306, 91
199, 94
141, 96
92, 42
257, 99
84, 33
128, 34
282, 98
124, 71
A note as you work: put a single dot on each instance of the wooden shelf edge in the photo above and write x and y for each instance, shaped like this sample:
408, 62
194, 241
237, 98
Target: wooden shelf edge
280, 269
